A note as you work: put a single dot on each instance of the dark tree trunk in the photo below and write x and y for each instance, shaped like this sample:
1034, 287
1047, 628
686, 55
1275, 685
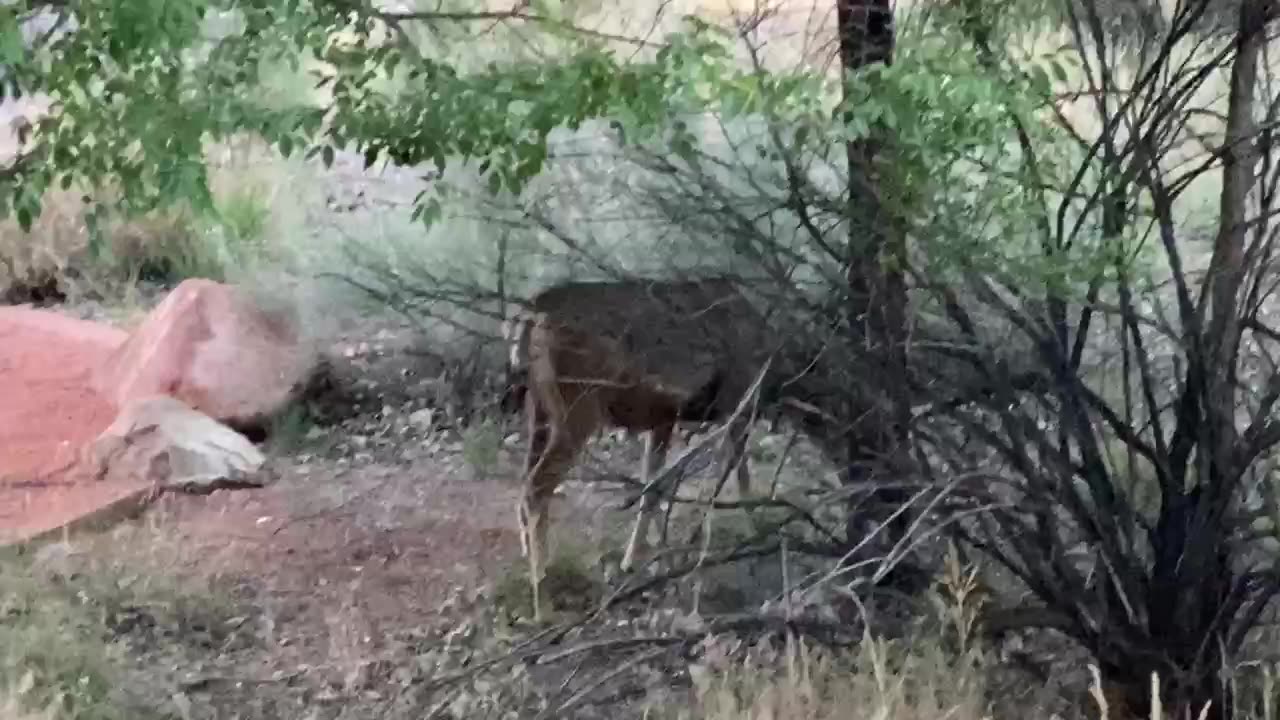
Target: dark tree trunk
876, 312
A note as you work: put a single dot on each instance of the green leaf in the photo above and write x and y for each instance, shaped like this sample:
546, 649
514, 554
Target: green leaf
431, 211
12, 48
1040, 83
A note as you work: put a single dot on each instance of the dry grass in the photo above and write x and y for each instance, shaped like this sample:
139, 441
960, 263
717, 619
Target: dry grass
53, 656
58, 251
929, 675
11, 710
65, 606
256, 222
12, 706
883, 679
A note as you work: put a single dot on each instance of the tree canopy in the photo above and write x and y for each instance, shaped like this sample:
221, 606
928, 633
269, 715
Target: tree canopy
138, 88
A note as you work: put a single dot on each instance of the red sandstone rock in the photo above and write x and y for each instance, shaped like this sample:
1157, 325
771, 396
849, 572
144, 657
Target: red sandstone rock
48, 406
212, 347
65, 463
49, 411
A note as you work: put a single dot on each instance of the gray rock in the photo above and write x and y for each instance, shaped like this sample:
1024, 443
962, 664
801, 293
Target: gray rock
163, 441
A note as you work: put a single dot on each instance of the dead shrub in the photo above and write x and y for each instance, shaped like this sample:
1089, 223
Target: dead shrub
58, 255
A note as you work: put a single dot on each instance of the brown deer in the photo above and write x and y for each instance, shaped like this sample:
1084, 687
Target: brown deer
636, 354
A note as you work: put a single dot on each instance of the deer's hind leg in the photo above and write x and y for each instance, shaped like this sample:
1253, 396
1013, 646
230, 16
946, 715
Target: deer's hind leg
656, 442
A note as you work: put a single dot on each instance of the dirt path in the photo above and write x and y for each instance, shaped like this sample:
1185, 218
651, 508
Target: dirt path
396, 540
357, 582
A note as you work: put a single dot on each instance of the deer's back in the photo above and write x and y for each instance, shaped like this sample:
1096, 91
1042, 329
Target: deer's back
684, 332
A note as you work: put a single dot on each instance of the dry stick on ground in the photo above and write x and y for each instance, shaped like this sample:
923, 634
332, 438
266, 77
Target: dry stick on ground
742, 552
520, 653
596, 684
330, 511
537, 649
568, 681
826, 633
901, 548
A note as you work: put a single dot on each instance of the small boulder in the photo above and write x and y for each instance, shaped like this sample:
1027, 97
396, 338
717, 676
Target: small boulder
217, 350
161, 441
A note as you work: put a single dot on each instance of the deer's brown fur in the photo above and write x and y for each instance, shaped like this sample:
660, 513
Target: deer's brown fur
637, 355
